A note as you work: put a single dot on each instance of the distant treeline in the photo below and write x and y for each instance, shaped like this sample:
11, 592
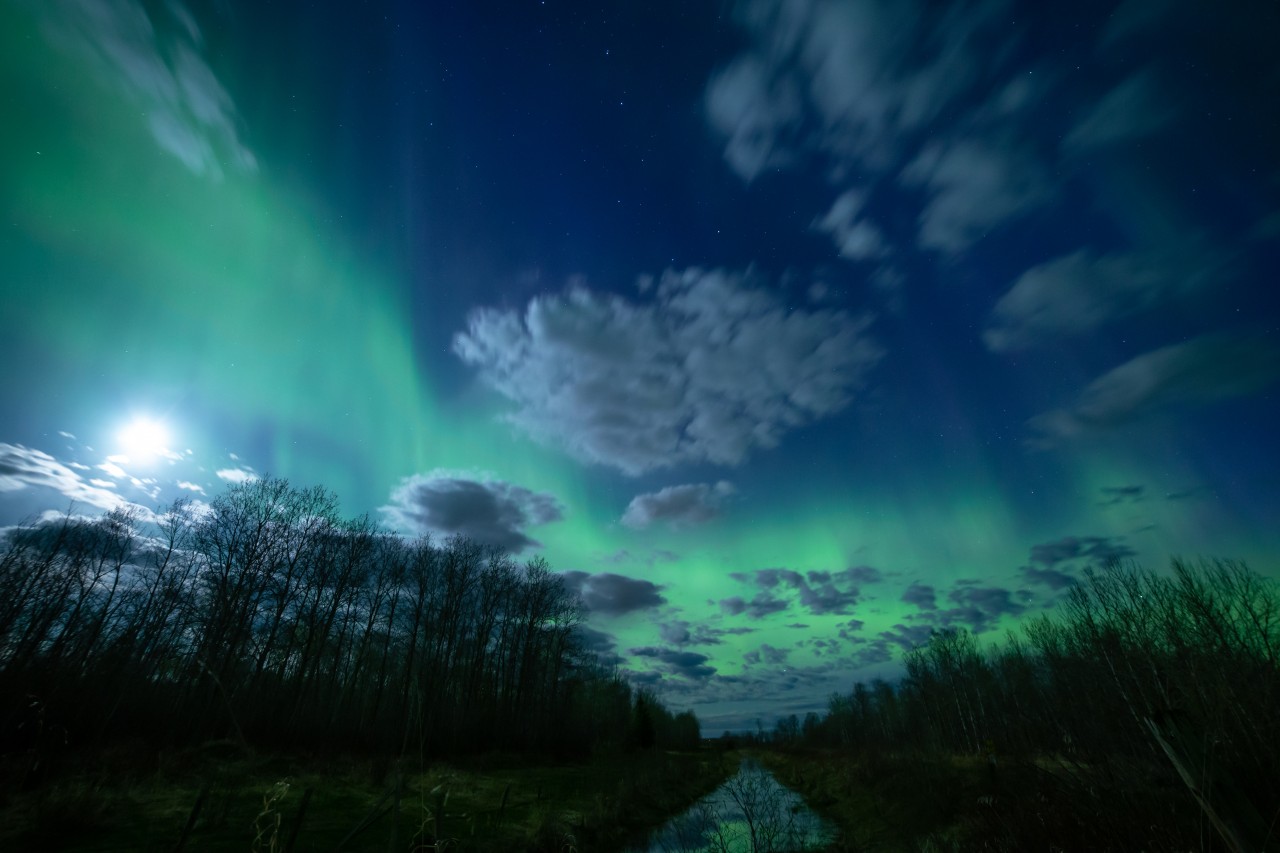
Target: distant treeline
1137, 679
269, 619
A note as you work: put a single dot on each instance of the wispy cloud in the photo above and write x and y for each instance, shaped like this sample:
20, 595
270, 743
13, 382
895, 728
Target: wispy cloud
1200, 371
157, 63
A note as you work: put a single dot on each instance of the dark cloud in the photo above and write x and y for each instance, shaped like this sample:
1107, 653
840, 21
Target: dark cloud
682, 633
715, 366
1113, 495
603, 646
690, 665
489, 512
922, 596
757, 608
614, 595
1096, 550
1200, 371
979, 608
907, 637
677, 506
1052, 578
819, 592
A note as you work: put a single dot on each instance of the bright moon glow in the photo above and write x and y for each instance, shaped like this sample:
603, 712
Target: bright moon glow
145, 439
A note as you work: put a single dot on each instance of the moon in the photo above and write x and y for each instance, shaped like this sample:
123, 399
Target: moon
144, 438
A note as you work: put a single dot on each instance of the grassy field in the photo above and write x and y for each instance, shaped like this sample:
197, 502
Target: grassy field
256, 803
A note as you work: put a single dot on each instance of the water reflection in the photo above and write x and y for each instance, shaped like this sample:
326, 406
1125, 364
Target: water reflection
750, 813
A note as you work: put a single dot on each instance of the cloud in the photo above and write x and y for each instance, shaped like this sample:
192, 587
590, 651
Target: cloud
1121, 494
846, 79
604, 646
490, 512
237, 475
977, 184
1082, 291
978, 608
25, 467
1200, 371
678, 506
614, 595
922, 596
160, 68
818, 592
690, 665
682, 633
759, 607
855, 238
191, 487
714, 367
1136, 107
1094, 549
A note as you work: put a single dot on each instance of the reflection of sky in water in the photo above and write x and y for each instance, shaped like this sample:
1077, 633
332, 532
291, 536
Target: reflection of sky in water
751, 813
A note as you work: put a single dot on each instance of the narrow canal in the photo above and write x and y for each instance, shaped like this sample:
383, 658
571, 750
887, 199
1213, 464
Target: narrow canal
750, 813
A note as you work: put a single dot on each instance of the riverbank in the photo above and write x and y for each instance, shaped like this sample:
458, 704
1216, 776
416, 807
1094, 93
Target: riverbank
227, 801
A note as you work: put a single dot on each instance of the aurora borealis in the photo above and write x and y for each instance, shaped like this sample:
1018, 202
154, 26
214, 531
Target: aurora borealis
788, 331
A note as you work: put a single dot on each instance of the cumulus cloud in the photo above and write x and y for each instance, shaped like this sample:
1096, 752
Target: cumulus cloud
614, 595
490, 512
713, 367
1082, 291
24, 467
1200, 371
677, 506
158, 65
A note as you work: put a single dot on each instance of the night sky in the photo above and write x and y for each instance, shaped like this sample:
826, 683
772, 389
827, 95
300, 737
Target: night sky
789, 330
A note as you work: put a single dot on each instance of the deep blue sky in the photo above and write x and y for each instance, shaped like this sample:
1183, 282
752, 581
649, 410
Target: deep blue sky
788, 330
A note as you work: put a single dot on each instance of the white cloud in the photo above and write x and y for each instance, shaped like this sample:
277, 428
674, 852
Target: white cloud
715, 366
24, 467
191, 487
237, 475
111, 468
678, 506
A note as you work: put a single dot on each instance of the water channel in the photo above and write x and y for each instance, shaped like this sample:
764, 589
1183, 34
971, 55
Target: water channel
750, 813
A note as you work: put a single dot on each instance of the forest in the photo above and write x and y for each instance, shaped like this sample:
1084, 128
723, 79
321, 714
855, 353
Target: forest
270, 620
1142, 712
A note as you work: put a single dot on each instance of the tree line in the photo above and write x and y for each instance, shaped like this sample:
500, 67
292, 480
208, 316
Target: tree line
1137, 679
268, 618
